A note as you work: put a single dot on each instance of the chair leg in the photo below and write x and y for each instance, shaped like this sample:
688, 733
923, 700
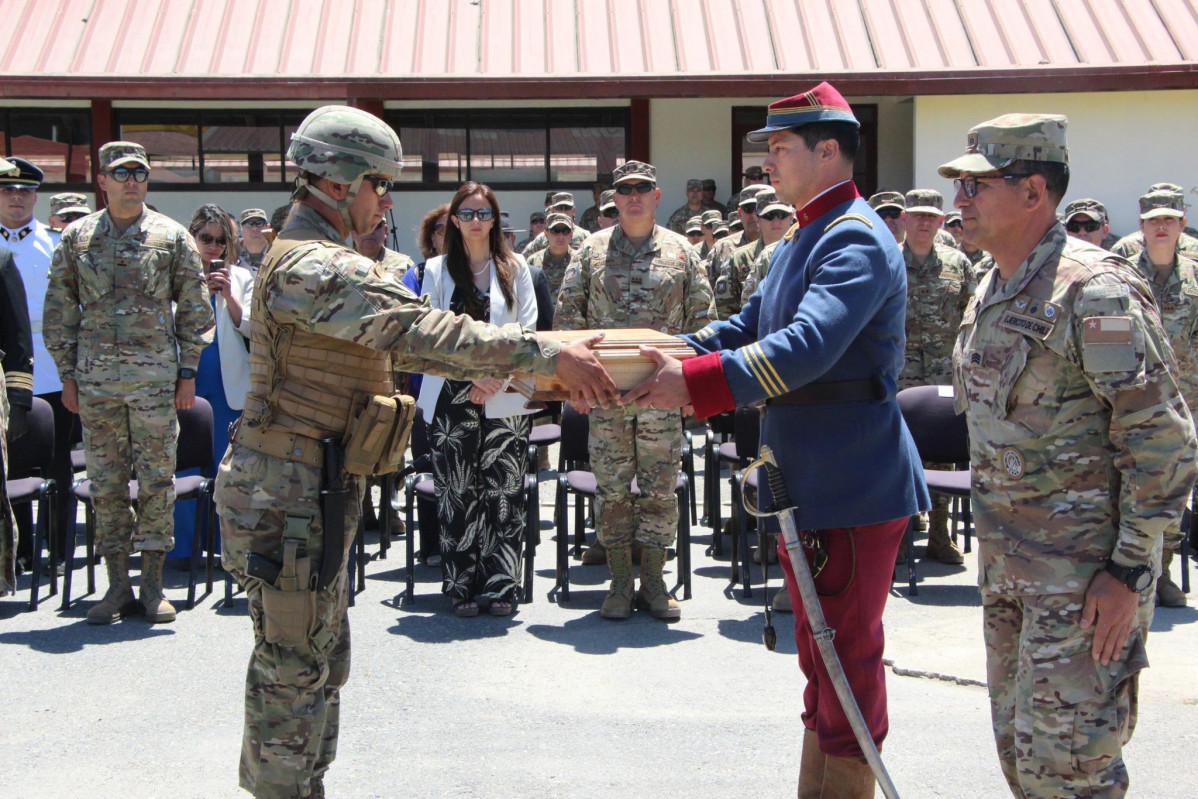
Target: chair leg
69, 554
51, 531
209, 564
684, 537
36, 562
563, 543
410, 577
912, 588
967, 521
532, 532
193, 559
580, 535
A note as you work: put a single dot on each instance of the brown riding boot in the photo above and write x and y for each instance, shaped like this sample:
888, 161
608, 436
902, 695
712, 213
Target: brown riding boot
618, 603
1168, 593
811, 767
118, 600
847, 778
156, 608
653, 595
940, 546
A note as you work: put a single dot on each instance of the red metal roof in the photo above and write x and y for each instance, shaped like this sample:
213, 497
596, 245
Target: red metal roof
276, 49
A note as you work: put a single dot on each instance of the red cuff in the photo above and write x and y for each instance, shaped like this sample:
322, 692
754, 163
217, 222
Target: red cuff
707, 385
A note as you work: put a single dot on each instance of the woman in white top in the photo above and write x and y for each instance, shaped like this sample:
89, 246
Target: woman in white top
478, 433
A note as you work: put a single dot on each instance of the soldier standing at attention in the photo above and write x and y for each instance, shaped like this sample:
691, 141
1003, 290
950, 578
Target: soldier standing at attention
775, 218
821, 343
253, 244
1174, 282
328, 325
732, 270
891, 207
1086, 219
608, 212
561, 202
127, 364
1082, 452
65, 209
554, 259
693, 207
590, 217
707, 192
636, 274
1130, 245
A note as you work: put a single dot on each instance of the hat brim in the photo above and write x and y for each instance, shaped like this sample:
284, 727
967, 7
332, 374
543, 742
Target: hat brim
638, 177
1093, 216
889, 205
19, 183
1155, 212
924, 209
973, 163
73, 209
128, 159
775, 207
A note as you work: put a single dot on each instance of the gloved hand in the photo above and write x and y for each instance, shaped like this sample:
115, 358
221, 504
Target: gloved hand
17, 422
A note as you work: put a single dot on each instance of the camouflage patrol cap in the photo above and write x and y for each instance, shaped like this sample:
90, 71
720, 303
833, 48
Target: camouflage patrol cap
1162, 203
68, 204
548, 198
924, 201
559, 220
887, 199
253, 213
734, 223
708, 184
607, 200
998, 142
768, 202
559, 199
634, 170
536, 216
1173, 187
952, 217
754, 173
694, 224
116, 153
712, 217
694, 184
343, 144
1092, 209
748, 196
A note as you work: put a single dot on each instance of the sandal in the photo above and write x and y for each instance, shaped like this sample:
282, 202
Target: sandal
466, 609
501, 607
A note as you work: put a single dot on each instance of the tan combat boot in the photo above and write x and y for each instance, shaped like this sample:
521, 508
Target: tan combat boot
156, 608
119, 600
847, 778
618, 603
1168, 593
652, 595
811, 767
781, 601
594, 556
940, 546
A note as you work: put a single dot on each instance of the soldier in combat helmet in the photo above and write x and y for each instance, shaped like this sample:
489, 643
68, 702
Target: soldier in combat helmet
327, 327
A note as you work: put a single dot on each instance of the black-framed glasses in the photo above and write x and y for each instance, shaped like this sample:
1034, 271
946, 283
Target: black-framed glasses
775, 216
468, 214
560, 230
121, 174
641, 187
1088, 226
612, 213
208, 240
969, 185
890, 214
254, 223
380, 185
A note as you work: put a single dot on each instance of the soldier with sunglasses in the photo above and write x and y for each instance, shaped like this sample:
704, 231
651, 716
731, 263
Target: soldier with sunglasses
126, 317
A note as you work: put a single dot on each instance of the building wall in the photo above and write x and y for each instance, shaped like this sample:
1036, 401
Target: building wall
1115, 149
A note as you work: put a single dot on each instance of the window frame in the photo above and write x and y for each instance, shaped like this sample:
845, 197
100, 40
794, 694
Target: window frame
6, 115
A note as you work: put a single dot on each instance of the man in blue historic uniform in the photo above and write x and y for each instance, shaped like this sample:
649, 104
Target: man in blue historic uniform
822, 344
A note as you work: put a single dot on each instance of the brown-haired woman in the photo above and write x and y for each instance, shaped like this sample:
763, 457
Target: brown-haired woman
477, 432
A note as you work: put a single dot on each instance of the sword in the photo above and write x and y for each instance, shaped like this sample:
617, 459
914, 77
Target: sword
784, 511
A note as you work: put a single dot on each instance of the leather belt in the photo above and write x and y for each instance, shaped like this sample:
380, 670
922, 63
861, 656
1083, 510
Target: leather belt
841, 391
280, 444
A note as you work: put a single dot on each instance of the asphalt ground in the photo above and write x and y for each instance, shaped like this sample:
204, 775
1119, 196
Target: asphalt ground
551, 702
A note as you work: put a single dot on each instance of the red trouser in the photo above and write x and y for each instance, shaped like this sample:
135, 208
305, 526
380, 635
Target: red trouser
853, 587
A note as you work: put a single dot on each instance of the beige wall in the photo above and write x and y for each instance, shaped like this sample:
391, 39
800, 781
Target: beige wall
1119, 142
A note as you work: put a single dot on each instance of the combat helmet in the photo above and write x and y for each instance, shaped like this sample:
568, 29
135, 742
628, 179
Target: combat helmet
343, 144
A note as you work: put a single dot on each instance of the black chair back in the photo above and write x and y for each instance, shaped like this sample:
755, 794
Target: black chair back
195, 437
941, 434
34, 451
576, 429
746, 427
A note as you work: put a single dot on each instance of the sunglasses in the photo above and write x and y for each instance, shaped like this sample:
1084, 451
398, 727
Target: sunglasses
254, 223
890, 213
954, 224
121, 174
969, 185
612, 213
776, 216
468, 214
207, 239
1078, 227
640, 188
381, 185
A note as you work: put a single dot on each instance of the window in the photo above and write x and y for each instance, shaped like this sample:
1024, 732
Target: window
57, 141
746, 153
214, 148
566, 148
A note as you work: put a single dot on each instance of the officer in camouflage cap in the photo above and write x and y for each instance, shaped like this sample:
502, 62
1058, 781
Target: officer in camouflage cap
636, 274
126, 317
557, 202
745, 213
253, 242
1130, 245
554, 259
731, 263
694, 230
608, 212
1086, 219
65, 209
891, 207
692, 207
329, 327
1082, 452
711, 221
590, 217
774, 217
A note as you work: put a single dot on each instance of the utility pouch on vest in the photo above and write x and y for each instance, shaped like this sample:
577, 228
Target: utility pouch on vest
289, 606
377, 433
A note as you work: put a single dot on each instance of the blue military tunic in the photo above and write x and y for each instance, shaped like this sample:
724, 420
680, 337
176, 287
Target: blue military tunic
831, 309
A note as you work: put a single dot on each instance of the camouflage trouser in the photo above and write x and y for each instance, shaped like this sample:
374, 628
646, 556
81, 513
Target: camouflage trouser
128, 425
292, 697
1060, 718
646, 444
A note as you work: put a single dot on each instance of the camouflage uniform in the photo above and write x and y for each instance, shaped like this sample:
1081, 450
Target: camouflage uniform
108, 325
678, 219
395, 263
937, 292
590, 219
553, 266
1131, 245
611, 284
1082, 451
757, 272
318, 314
541, 242
730, 279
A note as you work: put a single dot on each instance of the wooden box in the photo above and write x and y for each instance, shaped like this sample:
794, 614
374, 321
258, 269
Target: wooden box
619, 352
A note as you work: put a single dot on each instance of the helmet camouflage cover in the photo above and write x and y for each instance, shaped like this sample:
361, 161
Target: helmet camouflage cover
343, 144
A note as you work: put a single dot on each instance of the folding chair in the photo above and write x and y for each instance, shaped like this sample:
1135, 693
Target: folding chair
30, 459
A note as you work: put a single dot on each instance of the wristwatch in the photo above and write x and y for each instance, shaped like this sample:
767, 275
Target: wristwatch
187, 374
1136, 578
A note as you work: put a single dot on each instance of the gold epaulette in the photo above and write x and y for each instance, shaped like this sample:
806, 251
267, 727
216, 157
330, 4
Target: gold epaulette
19, 380
790, 234
846, 217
